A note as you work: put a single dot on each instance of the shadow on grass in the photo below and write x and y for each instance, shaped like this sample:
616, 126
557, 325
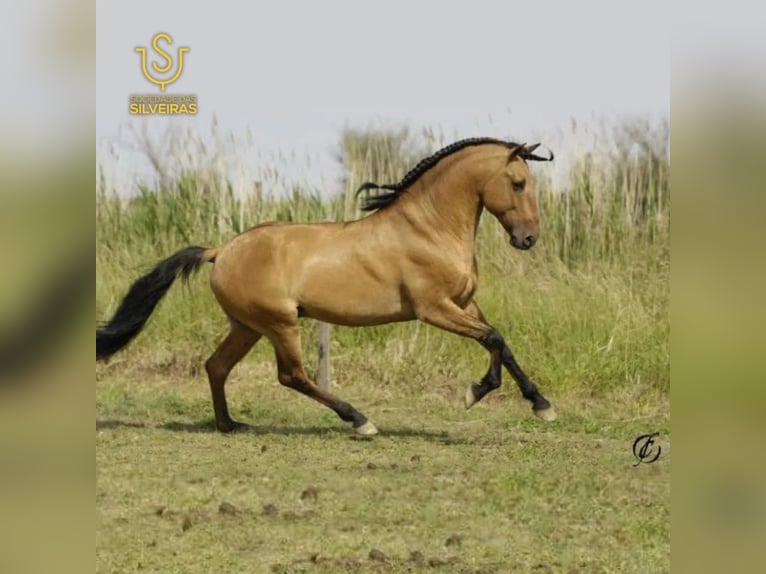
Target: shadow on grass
114, 424
208, 426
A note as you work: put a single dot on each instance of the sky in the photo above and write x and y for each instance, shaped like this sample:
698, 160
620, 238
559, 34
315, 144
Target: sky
294, 74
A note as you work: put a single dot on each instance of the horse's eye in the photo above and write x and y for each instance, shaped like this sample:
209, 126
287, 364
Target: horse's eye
518, 185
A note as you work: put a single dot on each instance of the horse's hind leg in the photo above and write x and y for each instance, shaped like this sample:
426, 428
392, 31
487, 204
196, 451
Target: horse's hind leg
231, 350
287, 344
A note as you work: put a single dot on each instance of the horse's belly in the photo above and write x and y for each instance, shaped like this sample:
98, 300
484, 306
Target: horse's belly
355, 308
356, 318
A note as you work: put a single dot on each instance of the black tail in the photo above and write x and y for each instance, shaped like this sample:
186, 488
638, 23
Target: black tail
142, 298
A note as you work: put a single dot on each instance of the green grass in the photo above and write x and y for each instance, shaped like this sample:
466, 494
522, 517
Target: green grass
509, 492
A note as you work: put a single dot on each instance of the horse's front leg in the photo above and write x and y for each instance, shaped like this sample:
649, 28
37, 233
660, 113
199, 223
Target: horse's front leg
470, 322
540, 405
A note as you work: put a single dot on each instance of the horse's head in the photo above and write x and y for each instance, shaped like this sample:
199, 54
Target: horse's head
510, 197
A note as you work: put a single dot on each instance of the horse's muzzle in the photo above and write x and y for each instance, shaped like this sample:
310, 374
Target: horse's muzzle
523, 242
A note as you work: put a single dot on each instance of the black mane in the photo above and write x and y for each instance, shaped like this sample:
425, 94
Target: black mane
396, 189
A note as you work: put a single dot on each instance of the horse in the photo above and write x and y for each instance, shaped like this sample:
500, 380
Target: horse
411, 258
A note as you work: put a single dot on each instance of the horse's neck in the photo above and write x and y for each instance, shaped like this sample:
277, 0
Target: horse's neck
446, 203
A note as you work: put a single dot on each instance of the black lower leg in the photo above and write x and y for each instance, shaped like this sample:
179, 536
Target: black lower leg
348, 413
487, 384
528, 389
493, 378
343, 409
223, 420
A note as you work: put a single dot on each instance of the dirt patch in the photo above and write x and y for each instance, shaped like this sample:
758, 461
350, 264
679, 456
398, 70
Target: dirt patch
228, 508
310, 493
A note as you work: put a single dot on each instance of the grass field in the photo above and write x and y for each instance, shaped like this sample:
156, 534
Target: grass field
441, 489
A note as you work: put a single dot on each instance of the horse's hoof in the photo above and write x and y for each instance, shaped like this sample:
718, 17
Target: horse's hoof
367, 429
548, 415
470, 398
230, 426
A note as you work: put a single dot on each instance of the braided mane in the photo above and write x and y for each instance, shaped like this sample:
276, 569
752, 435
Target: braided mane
396, 189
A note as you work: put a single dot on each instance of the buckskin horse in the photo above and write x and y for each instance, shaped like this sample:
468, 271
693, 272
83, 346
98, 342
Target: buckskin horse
412, 258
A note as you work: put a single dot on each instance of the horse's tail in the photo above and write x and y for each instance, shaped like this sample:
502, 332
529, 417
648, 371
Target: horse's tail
143, 296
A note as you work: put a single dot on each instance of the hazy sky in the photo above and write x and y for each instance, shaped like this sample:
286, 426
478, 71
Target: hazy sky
295, 73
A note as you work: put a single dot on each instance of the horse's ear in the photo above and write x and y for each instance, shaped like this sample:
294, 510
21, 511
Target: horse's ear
515, 152
529, 156
531, 148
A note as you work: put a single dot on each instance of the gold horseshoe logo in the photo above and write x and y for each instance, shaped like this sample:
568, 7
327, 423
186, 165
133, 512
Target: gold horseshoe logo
168, 61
